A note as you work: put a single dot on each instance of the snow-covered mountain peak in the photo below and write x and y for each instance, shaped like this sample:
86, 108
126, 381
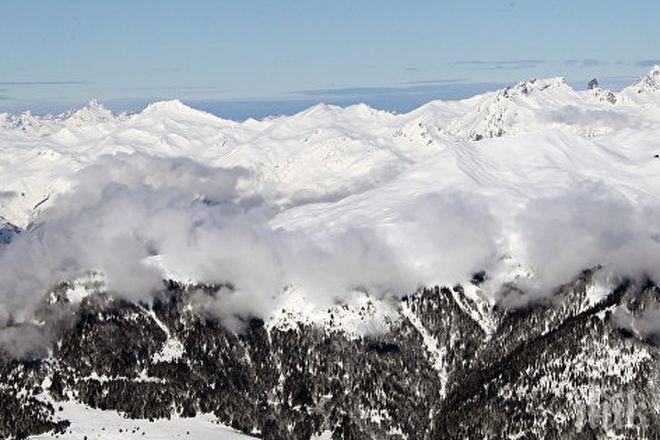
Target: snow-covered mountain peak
5, 120
513, 109
170, 106
26, 122
649, 83
601, 95
92, 112
365, 110
174, 109
320, 109
531, 86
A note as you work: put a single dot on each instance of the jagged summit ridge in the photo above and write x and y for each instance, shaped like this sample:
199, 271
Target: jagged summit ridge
92, 112
650, 83
531, 86
324, 152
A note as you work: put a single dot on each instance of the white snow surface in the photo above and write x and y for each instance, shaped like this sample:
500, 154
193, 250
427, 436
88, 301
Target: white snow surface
503, 181
91, 423
358, 315
326, 152
533, 181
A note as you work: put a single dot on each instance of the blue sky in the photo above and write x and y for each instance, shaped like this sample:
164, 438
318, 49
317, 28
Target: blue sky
249, 54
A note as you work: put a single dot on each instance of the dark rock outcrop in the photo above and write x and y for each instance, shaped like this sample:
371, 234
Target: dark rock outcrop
542, 371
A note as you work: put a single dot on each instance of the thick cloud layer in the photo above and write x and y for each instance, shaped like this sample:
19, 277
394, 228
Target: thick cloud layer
588, 226
138, 219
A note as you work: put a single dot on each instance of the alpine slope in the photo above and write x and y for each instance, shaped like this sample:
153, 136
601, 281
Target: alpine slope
498, 162
339, 273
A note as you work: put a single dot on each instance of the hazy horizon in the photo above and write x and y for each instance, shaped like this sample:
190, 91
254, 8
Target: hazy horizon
242, 60
393, 99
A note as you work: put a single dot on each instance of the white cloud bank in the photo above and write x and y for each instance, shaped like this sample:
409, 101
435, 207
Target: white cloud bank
557, 194
126, 211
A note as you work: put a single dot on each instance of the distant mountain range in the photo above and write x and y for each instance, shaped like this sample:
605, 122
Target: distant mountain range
484, 268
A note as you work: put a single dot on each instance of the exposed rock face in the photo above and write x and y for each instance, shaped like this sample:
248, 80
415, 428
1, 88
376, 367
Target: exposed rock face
555, 369
7, 231
650, 83
93, 112
501, 113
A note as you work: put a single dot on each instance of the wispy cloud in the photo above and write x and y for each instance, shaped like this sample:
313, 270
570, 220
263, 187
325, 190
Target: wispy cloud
438, 81
177, 87
589, 62
647, 63
500, 64
410, 87
41, 83
346, 91
411, 68
422, 91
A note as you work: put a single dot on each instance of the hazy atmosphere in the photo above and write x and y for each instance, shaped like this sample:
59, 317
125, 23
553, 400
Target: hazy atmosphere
238, 60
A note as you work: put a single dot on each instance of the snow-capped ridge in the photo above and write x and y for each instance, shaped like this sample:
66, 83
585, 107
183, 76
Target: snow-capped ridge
92, 112
168, 106
595, 91
365, 110
325, 151
649, 83
26, 122
499, 115
175, 109
534, 85
320, 109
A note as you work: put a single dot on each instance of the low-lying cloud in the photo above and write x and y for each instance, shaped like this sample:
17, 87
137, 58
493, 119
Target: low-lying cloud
139, 219
589, 226
501, 64
585, 63
648, 63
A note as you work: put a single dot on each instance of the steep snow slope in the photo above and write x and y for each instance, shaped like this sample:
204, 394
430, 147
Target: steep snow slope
444, 204
436, 203
321, 154
495, 187
645, 88
509, 171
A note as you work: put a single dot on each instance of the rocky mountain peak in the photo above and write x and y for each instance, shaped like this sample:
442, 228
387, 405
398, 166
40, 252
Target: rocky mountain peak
649, 83
92, 112
531, 86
